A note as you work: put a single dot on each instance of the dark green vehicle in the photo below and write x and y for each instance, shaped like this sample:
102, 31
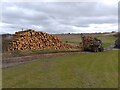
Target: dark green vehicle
96, 46
92, 44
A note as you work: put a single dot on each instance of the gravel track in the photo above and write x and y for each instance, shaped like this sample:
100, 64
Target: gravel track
7, 62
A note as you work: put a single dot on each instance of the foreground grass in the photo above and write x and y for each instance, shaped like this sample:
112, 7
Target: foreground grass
91, 70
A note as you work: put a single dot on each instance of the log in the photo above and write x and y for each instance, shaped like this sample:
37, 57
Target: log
32, 40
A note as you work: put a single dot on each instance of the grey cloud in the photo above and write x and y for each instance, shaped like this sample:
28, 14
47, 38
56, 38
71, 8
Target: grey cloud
56, 17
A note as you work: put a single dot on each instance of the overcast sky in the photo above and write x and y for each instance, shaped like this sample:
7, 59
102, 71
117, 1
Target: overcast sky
60, 17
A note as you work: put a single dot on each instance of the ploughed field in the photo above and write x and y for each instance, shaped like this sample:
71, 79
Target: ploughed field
85, 70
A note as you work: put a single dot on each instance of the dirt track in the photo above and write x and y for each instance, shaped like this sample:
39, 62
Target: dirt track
7, 62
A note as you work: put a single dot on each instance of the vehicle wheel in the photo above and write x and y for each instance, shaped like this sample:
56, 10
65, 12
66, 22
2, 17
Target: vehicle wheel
96, 49
101, 49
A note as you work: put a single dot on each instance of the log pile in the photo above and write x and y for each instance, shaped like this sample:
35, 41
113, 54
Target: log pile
87, 40
92, 44
32, 40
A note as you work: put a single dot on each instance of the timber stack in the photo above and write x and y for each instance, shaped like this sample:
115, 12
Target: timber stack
33, 40
87, 40
92, 44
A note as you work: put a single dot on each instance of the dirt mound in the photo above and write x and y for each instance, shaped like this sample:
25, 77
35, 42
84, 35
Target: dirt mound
32, 40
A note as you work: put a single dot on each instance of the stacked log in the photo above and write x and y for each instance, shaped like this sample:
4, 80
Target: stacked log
92, 44
87, 40
32, 40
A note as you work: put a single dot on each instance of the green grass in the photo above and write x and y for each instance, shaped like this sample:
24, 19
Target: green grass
107, 40
73, 41
91, 70
18, 53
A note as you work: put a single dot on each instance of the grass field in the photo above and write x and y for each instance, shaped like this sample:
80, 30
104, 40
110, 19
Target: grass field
106, 39
90, 70
19, 53
69, 38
